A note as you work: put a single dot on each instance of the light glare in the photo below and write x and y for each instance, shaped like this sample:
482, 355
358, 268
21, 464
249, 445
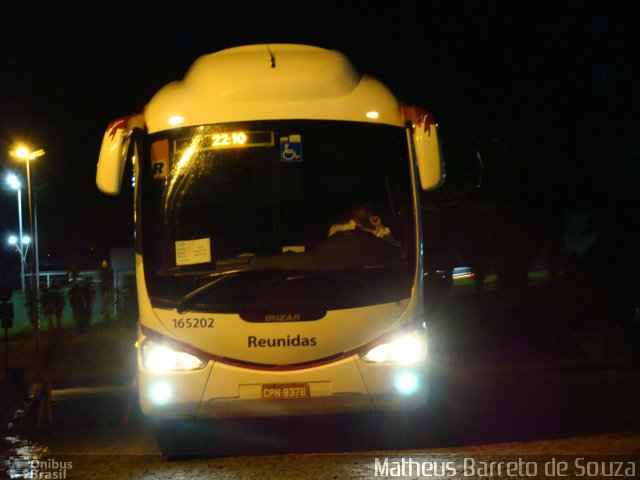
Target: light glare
160, 393
176, 120
25, 154
372, 114
160, 358
379, 353
22, 152
13, 181
407, 383
406, 350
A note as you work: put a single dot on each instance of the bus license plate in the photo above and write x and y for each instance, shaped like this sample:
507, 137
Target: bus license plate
283, 391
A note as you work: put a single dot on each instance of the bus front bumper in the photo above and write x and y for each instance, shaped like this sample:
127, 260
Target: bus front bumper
222, 390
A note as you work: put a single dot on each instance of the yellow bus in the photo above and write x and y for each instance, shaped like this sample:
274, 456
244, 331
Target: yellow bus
278, 238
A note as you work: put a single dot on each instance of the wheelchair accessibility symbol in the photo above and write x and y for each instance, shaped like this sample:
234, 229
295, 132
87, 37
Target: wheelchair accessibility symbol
291, 148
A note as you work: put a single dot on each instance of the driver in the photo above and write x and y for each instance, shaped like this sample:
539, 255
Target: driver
363, 218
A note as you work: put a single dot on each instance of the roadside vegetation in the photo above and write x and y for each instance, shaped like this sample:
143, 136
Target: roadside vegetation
86, 333
104, 355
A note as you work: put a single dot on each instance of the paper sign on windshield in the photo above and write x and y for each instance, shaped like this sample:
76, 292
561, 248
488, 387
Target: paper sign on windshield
190, 252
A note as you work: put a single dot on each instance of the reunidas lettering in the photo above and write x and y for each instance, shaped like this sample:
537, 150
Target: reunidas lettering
288, 341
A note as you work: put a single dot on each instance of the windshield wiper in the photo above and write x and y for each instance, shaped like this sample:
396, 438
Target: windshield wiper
280, 275
187, 301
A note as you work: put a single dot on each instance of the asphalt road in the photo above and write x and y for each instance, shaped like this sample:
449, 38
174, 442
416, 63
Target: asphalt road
599, 452
471, 412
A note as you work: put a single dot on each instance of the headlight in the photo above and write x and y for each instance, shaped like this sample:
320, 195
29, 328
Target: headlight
406, 350
161, 358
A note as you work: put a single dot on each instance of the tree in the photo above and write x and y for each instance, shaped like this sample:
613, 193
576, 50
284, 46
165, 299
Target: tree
57, 300
87, 298
31, 304
81, 299
106, 290
46, 305
127, 308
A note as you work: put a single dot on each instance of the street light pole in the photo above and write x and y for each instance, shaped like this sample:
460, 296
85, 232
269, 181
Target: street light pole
14, 183
34, 280
35, 239
27, 155
22, 259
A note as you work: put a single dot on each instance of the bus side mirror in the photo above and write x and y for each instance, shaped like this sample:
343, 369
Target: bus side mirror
113, 153
430, 165
426, 147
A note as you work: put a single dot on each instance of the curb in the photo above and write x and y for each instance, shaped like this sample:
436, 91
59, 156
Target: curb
35, 410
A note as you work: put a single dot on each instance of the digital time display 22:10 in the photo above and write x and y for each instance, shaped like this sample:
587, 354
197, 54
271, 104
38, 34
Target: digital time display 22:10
240, 139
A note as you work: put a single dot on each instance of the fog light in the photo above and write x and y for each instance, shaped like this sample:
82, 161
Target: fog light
407, 383
160, 393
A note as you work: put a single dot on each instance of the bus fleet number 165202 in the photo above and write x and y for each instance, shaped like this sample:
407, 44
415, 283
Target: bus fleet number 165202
195, 322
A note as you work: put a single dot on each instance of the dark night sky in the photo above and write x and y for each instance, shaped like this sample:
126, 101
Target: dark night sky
555, 80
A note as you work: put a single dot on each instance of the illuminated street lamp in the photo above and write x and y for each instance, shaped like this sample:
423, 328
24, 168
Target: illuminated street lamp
14, 182
13, 240
22, 248
24, 153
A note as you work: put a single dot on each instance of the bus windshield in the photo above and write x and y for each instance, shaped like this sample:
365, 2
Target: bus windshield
306, 214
